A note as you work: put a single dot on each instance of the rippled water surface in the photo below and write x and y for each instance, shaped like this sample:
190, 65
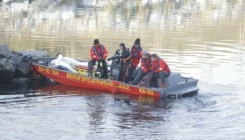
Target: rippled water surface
203, 39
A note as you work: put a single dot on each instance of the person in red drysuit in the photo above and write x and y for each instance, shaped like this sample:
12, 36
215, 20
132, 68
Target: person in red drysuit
98, 53
160, 69
136, 51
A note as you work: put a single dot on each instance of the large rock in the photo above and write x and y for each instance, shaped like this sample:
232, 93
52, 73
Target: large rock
7, 69
35, 54
4, 51
19, 81
17, 64
22, 64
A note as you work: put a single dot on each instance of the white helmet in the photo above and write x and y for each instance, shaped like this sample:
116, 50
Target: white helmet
144, 52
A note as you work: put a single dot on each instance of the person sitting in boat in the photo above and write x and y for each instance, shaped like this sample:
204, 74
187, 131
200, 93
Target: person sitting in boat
136, 55
98, 53
160, 70
144, 69
126, 72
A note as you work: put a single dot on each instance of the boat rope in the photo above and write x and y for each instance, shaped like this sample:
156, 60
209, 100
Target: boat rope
115, 84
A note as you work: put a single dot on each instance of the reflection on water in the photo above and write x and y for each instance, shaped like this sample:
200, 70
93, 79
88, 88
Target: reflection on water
200, 38
189, 35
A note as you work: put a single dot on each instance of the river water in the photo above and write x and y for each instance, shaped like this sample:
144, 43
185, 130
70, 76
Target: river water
204, 39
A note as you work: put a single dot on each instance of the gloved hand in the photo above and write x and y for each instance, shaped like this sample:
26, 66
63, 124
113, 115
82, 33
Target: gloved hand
109, 59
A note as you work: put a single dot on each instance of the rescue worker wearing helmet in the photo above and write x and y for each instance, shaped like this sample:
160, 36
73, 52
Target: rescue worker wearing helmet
144, 69
126, 68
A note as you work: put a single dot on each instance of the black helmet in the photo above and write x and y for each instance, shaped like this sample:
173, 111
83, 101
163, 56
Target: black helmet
96, 41
137, 41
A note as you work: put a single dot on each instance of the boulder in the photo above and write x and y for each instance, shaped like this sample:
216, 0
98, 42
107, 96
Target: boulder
35, 54
5, 52
17, 64
22, 64
19, 81
7, 69
28, 55
23, 61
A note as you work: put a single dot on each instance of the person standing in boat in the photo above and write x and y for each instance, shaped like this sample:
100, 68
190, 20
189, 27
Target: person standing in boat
126, 73
144, 69
160, 70
98, 53
136, 51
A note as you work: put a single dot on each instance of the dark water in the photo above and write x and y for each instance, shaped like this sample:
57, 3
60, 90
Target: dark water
199, 38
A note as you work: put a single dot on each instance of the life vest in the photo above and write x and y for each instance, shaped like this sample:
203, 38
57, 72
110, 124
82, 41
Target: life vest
96, 52
158, 64
134, 55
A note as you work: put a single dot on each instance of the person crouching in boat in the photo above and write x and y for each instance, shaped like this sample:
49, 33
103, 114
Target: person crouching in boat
126, 63
98, 53
144, 69
136, 55
160, 69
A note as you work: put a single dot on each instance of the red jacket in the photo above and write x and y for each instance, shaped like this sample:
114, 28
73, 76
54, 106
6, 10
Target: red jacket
96, 56
136, 55
146, 63
160, 65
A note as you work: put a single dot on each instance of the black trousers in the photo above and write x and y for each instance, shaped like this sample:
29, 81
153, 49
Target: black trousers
162, 75
138, 75
91, 63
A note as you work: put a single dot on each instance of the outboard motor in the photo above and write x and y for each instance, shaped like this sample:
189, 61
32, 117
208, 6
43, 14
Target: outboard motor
115, 70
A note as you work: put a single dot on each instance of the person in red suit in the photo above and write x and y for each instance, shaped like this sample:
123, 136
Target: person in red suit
144, 69
136, 51
160, 69
98, 53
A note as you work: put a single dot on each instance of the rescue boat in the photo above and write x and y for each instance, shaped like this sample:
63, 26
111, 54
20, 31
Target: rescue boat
71, 72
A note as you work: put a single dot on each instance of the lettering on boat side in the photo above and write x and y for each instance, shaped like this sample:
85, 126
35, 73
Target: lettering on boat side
89, 80
121, 86
73, 76
146, 91
55, 72
49, 71
44, 69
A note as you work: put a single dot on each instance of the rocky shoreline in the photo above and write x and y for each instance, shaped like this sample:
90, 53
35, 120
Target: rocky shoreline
15, 67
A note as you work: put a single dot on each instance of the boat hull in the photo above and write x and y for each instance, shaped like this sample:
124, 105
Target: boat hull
78, 80
177, 86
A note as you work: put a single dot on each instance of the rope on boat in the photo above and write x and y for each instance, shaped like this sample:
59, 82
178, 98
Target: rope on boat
115, 84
